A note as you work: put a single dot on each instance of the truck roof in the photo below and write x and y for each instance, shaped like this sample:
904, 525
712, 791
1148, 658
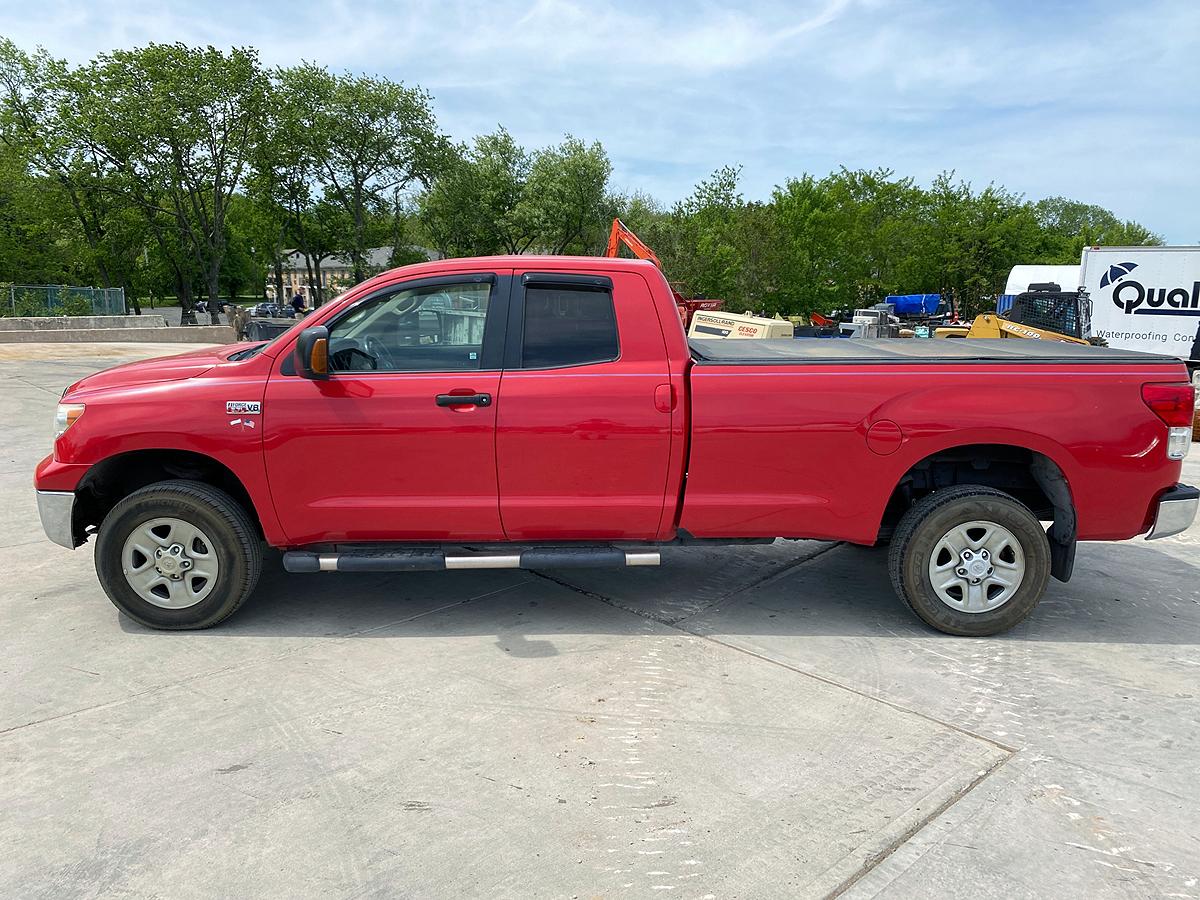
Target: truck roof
523, 261
1021, 277
804, 351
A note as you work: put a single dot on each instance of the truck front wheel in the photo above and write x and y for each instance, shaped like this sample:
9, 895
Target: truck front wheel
178, 555
970, 560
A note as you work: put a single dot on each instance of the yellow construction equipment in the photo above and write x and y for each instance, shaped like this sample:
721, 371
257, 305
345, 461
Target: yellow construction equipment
1045, 312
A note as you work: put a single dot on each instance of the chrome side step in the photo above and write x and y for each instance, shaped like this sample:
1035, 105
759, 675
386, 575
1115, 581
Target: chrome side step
436, 560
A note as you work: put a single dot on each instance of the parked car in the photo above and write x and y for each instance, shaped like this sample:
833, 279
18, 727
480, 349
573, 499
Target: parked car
549, 412
267, 311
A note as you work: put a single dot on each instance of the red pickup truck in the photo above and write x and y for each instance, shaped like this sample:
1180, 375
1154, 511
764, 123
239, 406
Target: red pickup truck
549, 412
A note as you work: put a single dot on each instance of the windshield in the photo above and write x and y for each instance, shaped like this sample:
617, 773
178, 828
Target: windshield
259, 347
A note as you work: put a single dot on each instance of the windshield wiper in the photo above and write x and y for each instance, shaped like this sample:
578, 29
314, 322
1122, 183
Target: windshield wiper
247, 353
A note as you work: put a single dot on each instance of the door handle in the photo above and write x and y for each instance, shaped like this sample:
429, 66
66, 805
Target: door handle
464, 399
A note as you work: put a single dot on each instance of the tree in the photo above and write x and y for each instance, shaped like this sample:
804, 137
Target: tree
40, 240
250, 253
366, 137
1069, 226
475, 207
565, 197
402, 219
495, 197
37, 127
175, 127
170, 169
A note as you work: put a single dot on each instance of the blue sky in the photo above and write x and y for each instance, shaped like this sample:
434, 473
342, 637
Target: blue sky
1095, 101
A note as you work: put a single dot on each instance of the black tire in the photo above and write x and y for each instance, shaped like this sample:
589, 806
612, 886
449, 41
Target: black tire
933, 517
237, 547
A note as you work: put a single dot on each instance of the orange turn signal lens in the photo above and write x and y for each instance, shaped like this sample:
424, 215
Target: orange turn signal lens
320, 357
65, 416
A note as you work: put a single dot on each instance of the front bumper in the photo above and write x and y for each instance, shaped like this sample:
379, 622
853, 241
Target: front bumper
1176, 511
56, 509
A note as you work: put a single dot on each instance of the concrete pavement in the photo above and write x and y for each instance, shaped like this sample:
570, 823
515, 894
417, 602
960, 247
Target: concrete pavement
744, 722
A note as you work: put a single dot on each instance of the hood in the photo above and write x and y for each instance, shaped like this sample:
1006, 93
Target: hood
163, 368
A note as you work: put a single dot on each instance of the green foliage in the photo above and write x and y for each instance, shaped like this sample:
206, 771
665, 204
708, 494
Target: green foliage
172, 129
28, 303
1069, 226
355, 139
851, 238
565, 196
50, 300
40, 239
496, 197
75, 305
475, 205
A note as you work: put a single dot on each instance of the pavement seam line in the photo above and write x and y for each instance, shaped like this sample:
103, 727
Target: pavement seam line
37, 387
877, 858
857, 691
917, 827
771, 578
785, 665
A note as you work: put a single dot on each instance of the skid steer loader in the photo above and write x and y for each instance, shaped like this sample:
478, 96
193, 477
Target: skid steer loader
1045, 312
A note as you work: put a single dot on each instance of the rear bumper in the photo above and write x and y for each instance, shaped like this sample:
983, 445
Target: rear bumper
1176, 511
56, 509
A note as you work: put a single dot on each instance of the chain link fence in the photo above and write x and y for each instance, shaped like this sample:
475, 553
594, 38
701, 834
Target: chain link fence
61, 300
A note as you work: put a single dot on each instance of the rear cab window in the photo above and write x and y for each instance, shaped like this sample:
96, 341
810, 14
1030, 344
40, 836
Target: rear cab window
568, 326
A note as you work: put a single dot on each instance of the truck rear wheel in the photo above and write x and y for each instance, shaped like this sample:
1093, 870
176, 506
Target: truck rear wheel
970, 560
178, 555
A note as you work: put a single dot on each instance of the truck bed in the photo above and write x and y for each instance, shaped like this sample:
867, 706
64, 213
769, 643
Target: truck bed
908, 351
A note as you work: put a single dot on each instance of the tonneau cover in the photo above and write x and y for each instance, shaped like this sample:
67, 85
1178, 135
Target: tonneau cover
910, 351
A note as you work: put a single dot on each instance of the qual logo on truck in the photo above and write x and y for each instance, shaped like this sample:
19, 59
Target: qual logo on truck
1116, 273
243, 407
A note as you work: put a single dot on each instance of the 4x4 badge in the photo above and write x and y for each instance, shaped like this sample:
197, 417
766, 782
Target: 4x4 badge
243, 407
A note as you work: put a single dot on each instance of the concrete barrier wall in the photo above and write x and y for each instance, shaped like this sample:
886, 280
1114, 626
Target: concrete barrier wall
192, 334
79, 323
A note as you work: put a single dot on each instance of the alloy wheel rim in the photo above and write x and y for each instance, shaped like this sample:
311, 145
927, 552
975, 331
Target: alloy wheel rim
977, 567
170, 563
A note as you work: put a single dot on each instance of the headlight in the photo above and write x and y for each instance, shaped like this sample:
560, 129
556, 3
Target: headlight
65, 416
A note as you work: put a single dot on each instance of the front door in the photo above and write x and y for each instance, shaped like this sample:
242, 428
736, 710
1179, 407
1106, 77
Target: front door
399, 443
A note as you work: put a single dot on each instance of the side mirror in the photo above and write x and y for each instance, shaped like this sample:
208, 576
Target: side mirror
311, 355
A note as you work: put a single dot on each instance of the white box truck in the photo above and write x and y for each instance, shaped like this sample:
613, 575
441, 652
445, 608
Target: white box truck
1145, 298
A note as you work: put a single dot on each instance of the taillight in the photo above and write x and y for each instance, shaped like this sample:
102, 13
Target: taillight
1175, 404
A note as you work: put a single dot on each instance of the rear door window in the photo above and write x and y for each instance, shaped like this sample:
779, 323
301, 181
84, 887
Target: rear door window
568, 327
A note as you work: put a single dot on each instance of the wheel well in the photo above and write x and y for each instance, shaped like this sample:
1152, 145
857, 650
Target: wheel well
1006, 468
108, 482
1031, 477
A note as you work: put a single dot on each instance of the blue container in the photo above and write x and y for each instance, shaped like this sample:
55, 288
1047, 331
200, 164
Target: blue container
1004, 303
915, 304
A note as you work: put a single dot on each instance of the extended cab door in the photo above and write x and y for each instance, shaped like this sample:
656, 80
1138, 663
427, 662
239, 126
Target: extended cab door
399, 443
583, 438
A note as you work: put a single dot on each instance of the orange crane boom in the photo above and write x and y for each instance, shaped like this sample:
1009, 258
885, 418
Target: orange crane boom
621, 235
